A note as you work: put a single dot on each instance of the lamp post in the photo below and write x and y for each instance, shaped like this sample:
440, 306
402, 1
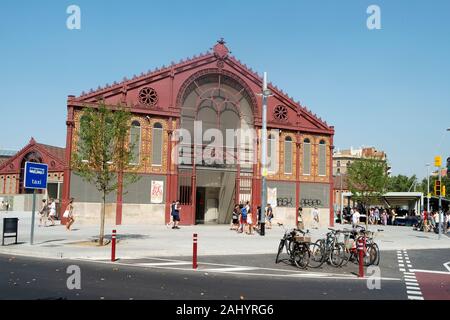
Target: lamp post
428, 189
265, 95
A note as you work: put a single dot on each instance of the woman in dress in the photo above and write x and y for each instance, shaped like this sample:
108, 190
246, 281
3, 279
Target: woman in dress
52, 214
70, 216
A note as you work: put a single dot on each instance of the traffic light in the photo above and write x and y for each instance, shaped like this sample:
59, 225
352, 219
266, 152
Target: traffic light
443, 193
448, 167
437, 188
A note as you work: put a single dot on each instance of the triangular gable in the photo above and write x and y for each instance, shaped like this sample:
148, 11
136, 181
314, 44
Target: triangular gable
221, 55
53, 159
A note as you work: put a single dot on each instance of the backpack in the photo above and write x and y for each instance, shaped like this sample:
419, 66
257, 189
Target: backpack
244, 213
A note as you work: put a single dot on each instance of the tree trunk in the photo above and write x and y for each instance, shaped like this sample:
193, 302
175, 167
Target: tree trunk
102, 221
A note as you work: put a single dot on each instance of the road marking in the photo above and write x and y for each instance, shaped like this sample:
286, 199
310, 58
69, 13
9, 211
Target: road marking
401, 265
410, 280
412, 288
162, 264
409, 266
430, 271
412, 284
447, 266
415, 298
230, 269
419, 293
410, 273
402, 270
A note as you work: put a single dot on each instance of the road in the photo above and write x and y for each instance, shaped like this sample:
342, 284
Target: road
249, 277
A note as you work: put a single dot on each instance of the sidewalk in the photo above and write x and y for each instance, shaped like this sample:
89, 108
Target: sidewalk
138, 241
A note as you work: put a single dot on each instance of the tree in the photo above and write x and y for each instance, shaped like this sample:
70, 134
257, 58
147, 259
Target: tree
104, 152
367, 180
400, 183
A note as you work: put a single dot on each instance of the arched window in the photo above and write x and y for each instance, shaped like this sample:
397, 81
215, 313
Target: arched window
135, 142
82, 152
288, 155
338, 163
271, 153
322, 158
157, 141
306, 157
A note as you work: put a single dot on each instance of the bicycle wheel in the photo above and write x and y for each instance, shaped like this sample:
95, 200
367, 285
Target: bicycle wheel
317, 255
337, 255
301, 256
370, 255
375, 254
280, 250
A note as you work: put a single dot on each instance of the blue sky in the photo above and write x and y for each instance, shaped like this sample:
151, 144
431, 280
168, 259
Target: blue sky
389, 88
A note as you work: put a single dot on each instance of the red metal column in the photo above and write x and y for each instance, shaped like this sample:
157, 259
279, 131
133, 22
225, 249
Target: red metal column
297, 176
331, 183
70, 123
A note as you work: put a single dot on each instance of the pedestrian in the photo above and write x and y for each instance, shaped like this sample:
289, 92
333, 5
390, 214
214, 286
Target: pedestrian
43, 213
377, 216
235, 218
176, 216
393, 215
52, 213
269, 215
172, 213
69, 215
385, 217
355, 218
316, 221
300, 224
243, 219
250, 223
259, 217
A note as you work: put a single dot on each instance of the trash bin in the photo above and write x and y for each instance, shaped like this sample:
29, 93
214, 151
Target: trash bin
10, 229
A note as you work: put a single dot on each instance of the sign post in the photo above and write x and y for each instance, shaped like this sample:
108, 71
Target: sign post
35, 178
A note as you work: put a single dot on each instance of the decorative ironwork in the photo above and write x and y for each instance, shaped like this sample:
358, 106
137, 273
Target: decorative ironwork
280, 113
148, 96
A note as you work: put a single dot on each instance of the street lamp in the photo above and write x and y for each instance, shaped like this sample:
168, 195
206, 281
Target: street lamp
428, 189
265, 95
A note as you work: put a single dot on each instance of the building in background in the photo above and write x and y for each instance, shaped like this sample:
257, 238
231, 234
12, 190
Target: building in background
12, 174
6, 154
223, 93
342, 159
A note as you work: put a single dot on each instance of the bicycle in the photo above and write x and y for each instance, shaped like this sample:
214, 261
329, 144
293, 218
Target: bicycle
329, 249
296, 246
371, 254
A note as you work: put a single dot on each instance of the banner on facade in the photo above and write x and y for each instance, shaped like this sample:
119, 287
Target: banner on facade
157, 191
272, 196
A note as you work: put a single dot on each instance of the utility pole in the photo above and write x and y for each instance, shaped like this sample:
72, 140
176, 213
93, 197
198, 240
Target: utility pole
440, 203
428, 189
265, 95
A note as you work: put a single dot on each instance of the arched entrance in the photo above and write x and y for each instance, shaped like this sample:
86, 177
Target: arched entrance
217, 149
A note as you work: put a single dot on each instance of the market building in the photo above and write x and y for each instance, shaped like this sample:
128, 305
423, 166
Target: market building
12, 174
198, 124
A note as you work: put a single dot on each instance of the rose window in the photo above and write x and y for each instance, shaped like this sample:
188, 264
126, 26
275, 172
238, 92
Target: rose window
280, 113
148, 96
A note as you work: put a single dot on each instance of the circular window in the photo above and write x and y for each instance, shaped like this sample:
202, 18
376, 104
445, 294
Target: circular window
280, 113
148, 96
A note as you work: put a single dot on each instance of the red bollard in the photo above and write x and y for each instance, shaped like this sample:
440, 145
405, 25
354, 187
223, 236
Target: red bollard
113, 246
361, 258
194, 252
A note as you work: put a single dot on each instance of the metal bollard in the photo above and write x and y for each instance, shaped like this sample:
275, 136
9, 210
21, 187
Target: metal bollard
194, 252
113, 246
361, 257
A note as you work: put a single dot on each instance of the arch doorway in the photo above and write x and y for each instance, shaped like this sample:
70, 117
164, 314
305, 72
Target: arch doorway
217, 147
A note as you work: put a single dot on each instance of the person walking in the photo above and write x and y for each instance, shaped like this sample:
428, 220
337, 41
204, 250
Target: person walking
43, 213
269, 215
384, 216
235, 218
176, 216
69, 215
243, 220
316, 221
300, 224
52, 213
172, 213
355, 218
250, 223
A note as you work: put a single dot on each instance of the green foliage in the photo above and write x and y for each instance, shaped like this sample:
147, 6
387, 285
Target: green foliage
401, 183
105, 151
367, 180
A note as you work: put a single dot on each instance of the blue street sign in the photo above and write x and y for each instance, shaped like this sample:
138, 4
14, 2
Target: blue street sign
35, 175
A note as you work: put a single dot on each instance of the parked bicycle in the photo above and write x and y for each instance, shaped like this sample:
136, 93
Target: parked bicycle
371, 253
297, 246
328, 249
